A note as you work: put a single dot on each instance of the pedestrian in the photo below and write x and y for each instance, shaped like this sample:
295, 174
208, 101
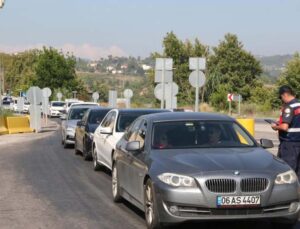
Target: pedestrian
288, 129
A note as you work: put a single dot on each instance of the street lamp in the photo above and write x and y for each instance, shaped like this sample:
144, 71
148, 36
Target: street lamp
2, 2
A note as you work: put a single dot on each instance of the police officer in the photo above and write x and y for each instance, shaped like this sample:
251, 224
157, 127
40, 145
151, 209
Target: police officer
289, 129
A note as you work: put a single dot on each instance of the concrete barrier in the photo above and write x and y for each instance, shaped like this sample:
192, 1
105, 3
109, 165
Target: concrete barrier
248, 124
18, 125
3, 126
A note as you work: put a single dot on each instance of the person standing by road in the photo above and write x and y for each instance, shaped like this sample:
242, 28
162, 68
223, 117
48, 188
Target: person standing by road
289, 129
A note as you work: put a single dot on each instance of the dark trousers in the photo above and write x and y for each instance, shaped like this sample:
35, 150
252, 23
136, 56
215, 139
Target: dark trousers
290, 153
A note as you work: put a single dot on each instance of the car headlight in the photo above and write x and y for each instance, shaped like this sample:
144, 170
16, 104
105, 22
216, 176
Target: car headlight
177, 180
288, 177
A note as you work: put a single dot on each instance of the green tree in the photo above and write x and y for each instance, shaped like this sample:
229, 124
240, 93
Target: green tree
180, 52
55, 70
291, 74
20, 70
234, 67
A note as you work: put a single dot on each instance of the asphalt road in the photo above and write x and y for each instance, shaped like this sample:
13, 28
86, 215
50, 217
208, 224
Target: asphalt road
43, 185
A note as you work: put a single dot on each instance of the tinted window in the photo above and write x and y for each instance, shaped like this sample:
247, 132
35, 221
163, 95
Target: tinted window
125, 119
133, 130
77, 113
109, 120
58, 104
199, 134
141, 134
97, 116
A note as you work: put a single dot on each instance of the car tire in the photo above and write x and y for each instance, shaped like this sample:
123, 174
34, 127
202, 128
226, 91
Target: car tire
85, 155
77, 152
96, 165
116, 191
150, 204
66, 145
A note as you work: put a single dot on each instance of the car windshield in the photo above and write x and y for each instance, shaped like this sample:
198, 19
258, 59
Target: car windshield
97, 116
199, 134
77, 113
58, 104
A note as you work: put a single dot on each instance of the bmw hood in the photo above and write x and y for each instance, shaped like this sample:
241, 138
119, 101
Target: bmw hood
195, 161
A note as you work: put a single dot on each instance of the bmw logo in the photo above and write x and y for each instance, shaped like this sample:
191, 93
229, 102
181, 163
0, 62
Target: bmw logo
236, 173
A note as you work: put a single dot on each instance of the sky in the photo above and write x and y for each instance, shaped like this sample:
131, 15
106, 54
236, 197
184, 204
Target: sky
97, 28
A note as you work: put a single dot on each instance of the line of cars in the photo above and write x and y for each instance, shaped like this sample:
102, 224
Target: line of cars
180, 166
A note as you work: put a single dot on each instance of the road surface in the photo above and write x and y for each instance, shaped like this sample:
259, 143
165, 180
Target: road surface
43, 185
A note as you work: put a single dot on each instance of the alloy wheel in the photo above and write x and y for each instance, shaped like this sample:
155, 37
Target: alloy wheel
149, 204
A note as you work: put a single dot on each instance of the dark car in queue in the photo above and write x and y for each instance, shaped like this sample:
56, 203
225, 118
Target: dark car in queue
84, 132
69, 123
179, 167
111, 130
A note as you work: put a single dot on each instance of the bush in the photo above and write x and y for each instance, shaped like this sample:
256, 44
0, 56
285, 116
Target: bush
6, 113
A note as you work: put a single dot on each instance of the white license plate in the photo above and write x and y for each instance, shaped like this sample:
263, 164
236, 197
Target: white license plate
231, 201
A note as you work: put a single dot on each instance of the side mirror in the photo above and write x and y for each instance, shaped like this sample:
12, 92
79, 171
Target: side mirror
63, 117
79, 123
133, 146
106, 130
266, 143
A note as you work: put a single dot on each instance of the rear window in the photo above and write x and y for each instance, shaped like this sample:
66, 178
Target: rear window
125, 119
97, 116
58, 104
77, 113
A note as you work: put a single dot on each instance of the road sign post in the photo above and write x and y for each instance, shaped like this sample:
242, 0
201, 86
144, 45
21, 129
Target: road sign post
234, 98
59, 96
46, 92
112, 98
163, 74
34, 95
171, 90
95, 97
128, 93
197, 77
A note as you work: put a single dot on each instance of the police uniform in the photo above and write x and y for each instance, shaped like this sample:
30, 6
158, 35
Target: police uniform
289, 148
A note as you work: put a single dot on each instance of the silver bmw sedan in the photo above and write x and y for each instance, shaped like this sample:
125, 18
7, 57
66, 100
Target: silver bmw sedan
179, 167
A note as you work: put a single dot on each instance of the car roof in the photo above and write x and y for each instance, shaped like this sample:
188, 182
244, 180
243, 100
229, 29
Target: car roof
140, 110
80, 107
100, 109
186, 116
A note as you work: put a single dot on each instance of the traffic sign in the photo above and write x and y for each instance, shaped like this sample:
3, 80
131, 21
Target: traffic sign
197, 63
233, 97
229, 97
168, 76
128, 93
95, 96
171, 90
197, 79
112, 98
59, 95
46, 92
164, 64
34, 95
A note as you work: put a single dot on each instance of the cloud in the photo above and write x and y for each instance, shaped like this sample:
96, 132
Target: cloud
84, 50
